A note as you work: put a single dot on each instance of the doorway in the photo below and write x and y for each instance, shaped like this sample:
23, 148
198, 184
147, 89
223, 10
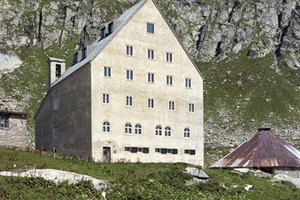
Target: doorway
106, 154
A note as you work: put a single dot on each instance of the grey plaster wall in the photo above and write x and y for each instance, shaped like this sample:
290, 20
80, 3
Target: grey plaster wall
292, 172
70, 111
15, 135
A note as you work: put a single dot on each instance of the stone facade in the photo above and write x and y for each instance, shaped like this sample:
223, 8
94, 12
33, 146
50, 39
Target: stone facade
13, 131
93, 117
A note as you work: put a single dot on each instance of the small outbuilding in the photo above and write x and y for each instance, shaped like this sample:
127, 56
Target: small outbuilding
13, 129
266, 152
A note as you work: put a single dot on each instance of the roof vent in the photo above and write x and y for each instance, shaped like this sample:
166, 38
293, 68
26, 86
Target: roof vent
264, 129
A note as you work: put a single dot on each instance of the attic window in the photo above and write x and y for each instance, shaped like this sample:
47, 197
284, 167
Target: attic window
103, 32
150, 28
110, 28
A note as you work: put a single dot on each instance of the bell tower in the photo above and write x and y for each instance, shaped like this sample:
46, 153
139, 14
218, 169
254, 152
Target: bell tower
56, 67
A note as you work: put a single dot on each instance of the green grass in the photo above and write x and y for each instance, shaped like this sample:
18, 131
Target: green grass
133, 181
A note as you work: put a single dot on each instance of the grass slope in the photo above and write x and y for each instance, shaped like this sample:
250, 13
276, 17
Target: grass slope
133, 181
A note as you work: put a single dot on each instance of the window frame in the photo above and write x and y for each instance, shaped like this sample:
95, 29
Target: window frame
107, 72
169, 57
151, 77
168, 131
150, 103
191, 107
129, 101
171, 105
158, 130
128, 129
169, 80
186, 133
152, 27
150, 54
106, 128
129, 75
138, 129
4, 121
129, 51
105, 98
188, 83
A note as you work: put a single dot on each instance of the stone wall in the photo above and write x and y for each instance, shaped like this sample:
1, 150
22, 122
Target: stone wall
15, 135
292, 172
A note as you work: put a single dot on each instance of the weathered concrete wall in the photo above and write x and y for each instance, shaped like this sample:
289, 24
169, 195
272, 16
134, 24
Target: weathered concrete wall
15, 135
162, 41
70, 111
292, 172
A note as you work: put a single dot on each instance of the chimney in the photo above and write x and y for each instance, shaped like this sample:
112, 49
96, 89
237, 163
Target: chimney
56, 67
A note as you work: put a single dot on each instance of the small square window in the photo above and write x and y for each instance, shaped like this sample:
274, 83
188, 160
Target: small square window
150, 28
129, 50
129, 101
150, 78
191, 107
105, 99
169, 80
188, 83
171, 105
107, 72
169, 57
150, 54
150, 103
129, 75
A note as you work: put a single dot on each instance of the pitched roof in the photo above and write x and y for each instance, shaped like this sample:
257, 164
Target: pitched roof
99, 45
263, 150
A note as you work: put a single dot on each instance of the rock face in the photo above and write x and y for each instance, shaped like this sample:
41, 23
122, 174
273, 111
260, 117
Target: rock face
9, 61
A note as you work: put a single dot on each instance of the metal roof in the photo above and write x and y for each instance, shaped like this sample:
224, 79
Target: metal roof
263, 150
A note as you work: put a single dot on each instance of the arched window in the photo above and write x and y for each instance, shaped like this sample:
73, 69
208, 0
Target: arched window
138, 129
186, 132
158, 130
106, 127
128, 128
167, 131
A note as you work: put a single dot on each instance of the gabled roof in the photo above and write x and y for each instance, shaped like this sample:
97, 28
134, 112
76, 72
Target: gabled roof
100, 44
263, 150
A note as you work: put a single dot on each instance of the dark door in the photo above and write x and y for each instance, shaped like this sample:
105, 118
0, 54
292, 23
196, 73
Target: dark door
106, 154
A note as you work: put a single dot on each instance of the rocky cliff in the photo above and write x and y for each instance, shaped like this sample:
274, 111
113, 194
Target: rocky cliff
248, 51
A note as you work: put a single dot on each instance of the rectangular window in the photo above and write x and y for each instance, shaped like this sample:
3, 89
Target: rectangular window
150, 78
169, 57
56, 104
171, 105
137, 149
150, 103
169, 80
150, 54
55, 132
107, 72
190, 151
129, 75
188, 83
105, 98
4, 122
129, 50
166, 151
129, 101
191, 107
150, 28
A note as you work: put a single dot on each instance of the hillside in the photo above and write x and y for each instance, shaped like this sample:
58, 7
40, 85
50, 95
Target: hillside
133, 181
247, 51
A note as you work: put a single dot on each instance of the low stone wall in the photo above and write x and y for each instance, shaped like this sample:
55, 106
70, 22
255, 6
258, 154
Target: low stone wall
292, 172
15, 135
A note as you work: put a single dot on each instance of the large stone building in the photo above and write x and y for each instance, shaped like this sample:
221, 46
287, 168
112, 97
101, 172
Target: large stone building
133, 95
13, 129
